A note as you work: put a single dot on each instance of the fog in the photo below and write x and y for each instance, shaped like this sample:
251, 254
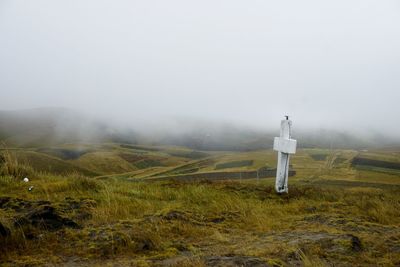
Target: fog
327, 64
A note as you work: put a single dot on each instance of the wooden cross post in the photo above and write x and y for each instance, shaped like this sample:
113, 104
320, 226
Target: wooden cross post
285, 146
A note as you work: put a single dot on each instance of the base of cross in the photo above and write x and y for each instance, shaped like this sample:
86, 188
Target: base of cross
282, 173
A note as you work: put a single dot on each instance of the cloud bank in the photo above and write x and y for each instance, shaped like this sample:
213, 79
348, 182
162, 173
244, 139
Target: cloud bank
326, 64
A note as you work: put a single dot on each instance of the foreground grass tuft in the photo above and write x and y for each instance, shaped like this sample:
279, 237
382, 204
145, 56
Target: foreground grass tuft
196, 224
10, 166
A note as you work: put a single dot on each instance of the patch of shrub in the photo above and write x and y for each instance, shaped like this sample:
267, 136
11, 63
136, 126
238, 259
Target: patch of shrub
357, 161
140, 147
234, 164
147, 163
10, 166
62, 153
319, 157
82, 183
132, 158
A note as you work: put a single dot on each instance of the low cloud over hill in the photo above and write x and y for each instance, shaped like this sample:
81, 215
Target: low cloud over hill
50, 126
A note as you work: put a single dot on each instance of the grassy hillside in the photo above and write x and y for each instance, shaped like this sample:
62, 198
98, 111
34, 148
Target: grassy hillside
336, 213
132, 161
95, 222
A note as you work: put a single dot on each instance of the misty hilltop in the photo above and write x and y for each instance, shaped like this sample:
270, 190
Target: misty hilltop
50, 126
54, 126
328, 65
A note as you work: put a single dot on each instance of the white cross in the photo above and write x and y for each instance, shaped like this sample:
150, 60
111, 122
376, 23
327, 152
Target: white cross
285, 146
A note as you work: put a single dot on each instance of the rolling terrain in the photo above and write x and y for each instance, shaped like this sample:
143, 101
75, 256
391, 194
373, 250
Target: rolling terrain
108, 201
114, 160
124, 204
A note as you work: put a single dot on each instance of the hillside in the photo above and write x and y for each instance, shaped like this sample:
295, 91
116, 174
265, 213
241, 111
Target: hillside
339, 211
96, 202
52, 126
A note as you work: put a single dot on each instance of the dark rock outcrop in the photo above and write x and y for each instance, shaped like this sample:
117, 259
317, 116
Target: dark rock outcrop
47, 217
4, 231
355, 243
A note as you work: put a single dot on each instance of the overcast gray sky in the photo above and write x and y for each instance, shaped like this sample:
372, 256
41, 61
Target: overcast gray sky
325, 63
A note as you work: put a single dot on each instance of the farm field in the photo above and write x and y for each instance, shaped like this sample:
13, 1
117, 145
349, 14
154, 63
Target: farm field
123, 205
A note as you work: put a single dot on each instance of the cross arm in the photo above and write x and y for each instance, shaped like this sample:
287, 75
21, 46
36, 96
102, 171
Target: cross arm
285, 145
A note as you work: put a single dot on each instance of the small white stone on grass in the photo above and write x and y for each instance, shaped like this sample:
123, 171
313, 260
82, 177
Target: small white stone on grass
26, 179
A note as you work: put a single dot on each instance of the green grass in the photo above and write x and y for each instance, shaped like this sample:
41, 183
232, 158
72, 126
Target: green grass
334, 214
233, 164
147, 163
44, 163
225, 217
319, 156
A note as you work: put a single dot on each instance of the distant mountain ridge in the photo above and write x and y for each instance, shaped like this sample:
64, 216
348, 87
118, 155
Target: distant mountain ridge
53, 126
